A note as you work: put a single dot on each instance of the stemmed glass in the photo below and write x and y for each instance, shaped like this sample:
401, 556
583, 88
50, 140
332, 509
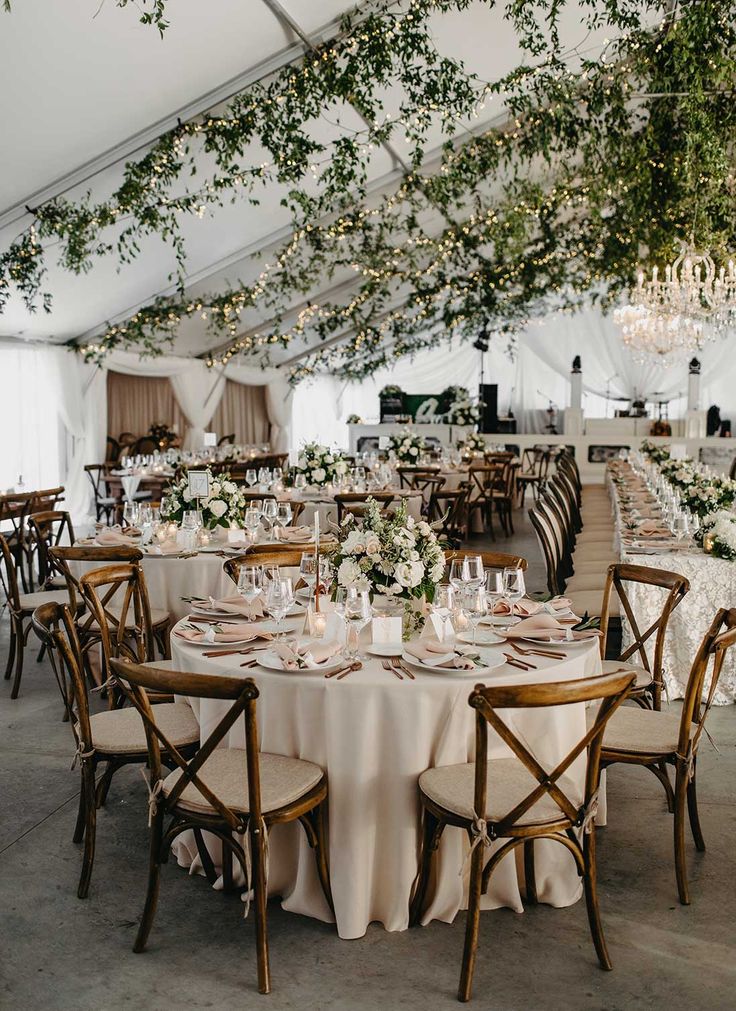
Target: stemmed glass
269, 510
252, 520
681, 526
264, 476
250, 584
300, 482
494, 588
473, 571
456, 573
357, 616
443, 603
279, 599
130, 514
283, 515
475, 606
250, 477
514, 586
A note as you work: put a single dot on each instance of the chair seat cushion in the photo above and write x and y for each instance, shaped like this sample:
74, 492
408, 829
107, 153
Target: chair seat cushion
594, 553
595, 537
589, 602
509, 782
641, 731
121, 731
30, 601
283, 781
643, 676
587, 580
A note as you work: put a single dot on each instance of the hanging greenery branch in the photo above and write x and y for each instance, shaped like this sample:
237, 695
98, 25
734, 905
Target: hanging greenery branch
373, 51
154, 16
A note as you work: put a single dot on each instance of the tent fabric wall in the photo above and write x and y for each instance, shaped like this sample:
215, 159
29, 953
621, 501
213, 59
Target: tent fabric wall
242, 412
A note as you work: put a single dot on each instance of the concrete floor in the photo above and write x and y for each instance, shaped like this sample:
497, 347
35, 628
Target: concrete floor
59, 952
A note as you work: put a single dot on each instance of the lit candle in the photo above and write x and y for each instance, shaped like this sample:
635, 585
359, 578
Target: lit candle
319, 625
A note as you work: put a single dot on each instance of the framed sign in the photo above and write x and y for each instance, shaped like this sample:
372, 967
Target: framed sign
199, 484
210, 438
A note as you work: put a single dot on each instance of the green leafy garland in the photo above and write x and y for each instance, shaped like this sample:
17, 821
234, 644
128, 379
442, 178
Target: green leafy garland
604, 164
154, 16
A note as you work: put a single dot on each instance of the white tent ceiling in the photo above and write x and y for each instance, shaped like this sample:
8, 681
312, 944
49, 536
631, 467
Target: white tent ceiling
90, 91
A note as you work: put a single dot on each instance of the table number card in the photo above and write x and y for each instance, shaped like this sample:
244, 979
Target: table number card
199, 484
210, 438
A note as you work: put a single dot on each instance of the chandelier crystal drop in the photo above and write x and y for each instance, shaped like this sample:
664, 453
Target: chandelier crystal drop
652, 337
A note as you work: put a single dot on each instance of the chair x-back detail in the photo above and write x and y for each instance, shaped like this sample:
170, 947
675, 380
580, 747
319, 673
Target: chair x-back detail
112, 738
236, 794
518, 799
48, 530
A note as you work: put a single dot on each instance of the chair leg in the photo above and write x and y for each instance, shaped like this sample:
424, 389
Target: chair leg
11, 649
591, 899
154, 880
81, 815
661, 772
530, 876
511, 516
90, 829
103, 786
471, 925
260, 899
430, 837
319, 821
692, 809
20, 648
680, 804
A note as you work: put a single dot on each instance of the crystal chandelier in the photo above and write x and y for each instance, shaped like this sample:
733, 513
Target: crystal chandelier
656, 337
694, 303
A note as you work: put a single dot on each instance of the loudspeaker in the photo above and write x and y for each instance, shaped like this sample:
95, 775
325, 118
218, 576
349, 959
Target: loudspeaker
488, 394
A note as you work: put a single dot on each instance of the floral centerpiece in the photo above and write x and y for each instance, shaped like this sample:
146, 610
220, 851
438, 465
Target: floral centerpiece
320, 464
720, 528
162, 435
407, 446
658, 454
701, 494
473, 442
390, 555
463, 411
224, 506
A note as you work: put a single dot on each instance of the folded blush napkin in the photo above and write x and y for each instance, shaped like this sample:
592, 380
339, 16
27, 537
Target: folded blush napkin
436, 654
230, 605
310, 653
112, 536
299, 534
525, 608
221, 633
651, 528
167, 547
546, 628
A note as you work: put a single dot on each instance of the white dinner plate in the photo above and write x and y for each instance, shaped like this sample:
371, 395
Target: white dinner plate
385, 649
425, 668
481, 639
554, 642
230, 644
218, 615
500, 620
271, 661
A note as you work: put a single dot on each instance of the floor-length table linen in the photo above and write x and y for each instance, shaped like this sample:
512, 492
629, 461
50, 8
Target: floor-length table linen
712, 585
374, 735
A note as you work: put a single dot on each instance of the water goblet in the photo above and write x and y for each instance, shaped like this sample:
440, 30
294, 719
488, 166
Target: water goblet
475, 606
252, 520
250, 584
279, 599
130, 514
514, 586
250, 477
357, 615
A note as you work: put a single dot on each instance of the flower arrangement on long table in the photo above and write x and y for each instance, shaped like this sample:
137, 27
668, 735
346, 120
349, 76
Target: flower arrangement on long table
320, 464
407, 446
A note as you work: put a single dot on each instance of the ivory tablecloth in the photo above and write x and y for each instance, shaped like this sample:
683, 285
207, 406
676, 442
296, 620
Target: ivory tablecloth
712, 585
374, 735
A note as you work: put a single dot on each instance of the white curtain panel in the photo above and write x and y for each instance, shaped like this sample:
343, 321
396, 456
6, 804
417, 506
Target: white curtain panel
279, 400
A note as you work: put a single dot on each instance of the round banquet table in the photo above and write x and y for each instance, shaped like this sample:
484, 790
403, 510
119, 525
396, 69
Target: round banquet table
374, 734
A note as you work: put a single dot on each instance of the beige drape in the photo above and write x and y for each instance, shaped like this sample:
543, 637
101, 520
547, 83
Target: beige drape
134, 403
242, 412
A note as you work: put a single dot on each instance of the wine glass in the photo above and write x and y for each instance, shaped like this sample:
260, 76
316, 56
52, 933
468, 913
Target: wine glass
681, 526
283, 514
264, 476
357, 616
145, 514
250, 584
308, 569
277, 475
456, 573
130, 514
269, 510
514, 587
473, 571
250, 477
475, 606
252, 520
494, 588
300, 482
443, 603
279, 599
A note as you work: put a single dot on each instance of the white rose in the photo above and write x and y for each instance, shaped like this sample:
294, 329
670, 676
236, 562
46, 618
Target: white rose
424, 528
229, 487
353, 543
414, 451
372, 545
341, 467
417, 573
218, 508
329, 458
319, 475
214, 489
403, 574
348, 572
187, 495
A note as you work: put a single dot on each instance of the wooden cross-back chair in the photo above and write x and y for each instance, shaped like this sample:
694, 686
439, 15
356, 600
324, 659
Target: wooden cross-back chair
550, 552
105, 503
113, 737
533, 472
237, 794
504, 495
448, 510
48, 530
654, 739
649, 671
519, 800
288, 555
88, 625
20, 610
491, 559
548, 505
15, 508
484, 481
354, 503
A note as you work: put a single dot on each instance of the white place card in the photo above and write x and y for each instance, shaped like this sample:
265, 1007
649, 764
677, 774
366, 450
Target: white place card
210, 438
386, 629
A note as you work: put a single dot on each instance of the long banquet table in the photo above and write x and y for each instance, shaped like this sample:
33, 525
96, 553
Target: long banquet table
374, 735
712, 585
